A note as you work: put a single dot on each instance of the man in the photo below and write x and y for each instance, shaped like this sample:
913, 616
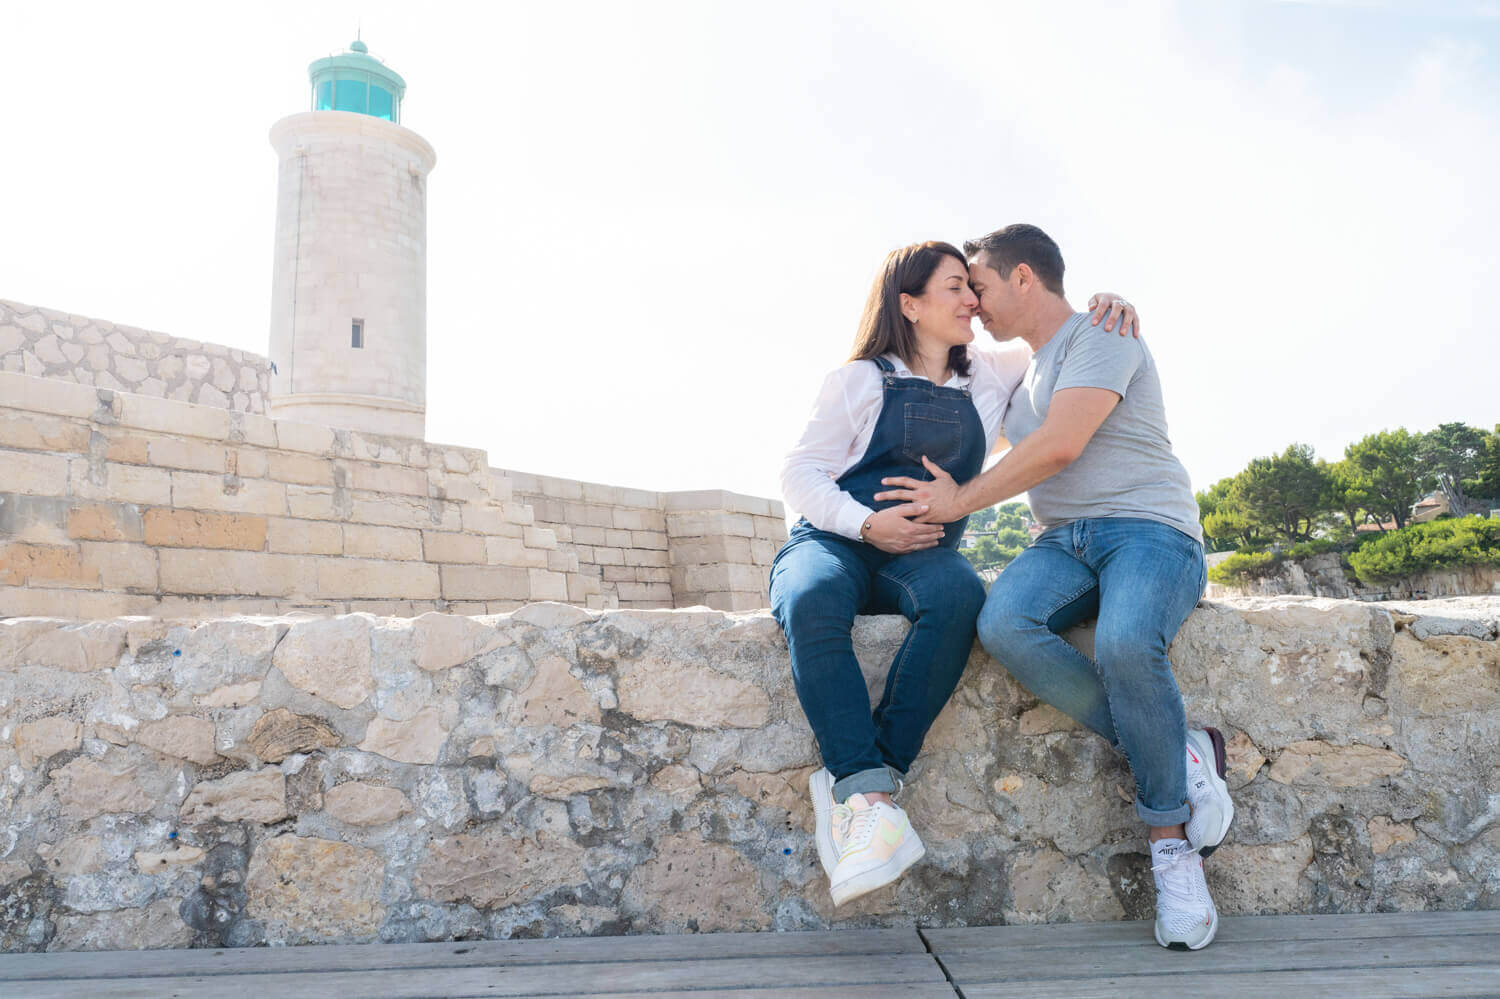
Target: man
1121, 542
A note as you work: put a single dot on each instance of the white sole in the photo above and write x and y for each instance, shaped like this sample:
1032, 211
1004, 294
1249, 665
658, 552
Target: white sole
1213, 931
906, 854
1203, 745
820, 786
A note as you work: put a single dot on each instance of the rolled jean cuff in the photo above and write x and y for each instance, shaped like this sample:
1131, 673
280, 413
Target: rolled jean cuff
874, 779
1152, 817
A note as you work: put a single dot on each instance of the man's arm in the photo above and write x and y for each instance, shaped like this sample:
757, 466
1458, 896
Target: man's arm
1072, 418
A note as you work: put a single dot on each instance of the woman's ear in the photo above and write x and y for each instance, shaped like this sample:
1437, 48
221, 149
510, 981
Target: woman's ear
908, 308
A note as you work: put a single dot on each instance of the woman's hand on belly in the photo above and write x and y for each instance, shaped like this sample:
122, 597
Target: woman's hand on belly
894, 531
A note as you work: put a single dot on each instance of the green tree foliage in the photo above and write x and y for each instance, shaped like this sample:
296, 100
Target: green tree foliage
995, 550
1011, 537
1284, 495
1438, 544
1450, 458
1226, 525
1013, 515
985, 553
1347, 492
1390, 472
1487, 476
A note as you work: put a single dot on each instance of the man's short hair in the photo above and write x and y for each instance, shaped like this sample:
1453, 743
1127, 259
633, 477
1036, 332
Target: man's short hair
1016, 244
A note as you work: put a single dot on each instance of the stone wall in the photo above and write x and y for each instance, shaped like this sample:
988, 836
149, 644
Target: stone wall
653, 549
113, 503
555, 771
50, 344
1326, 576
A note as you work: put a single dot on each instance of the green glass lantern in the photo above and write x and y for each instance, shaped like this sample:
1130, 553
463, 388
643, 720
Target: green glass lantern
358, 82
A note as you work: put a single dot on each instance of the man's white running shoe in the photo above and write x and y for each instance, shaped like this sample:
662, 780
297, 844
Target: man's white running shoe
1207, 792
876, 844
820, 786
1185, 915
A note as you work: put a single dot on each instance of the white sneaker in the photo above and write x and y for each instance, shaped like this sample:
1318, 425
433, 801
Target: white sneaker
1207, 792
1185, 915
820, 786
876, 844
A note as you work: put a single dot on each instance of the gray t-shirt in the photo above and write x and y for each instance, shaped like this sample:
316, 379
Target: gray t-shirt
1127, 469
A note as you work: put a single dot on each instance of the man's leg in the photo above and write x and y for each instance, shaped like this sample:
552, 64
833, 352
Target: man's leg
1043, 592
818, 584
1150, 579
939, 592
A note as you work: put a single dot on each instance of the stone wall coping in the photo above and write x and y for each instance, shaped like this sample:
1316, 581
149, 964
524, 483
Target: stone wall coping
681, 501
166, 340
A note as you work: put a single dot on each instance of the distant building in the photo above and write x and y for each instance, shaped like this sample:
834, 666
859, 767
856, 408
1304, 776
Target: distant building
1430, 507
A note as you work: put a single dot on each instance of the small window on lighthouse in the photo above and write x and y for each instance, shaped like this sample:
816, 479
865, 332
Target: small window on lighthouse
357, 338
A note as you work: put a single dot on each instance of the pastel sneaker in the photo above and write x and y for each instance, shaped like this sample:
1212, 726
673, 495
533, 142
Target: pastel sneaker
1207, 792
876, 844
820, 786
1185, 915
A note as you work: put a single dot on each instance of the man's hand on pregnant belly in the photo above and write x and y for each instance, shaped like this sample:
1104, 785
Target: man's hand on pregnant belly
940, 496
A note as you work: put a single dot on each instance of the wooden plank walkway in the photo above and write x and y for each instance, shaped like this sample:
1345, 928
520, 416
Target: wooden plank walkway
1455, 954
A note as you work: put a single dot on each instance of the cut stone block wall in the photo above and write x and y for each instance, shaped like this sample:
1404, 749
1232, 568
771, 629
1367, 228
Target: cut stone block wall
555, 771
51, 344
114, 503
661, 549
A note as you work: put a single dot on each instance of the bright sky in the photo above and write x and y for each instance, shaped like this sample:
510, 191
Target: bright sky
652, 225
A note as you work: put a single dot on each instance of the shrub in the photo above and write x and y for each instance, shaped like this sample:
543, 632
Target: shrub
1244, 565
1438, 544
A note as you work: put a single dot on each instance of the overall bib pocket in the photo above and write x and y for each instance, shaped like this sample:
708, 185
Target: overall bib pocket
934, 431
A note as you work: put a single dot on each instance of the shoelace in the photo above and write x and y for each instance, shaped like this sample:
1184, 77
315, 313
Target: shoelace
1176, 881
843, 815
854, 827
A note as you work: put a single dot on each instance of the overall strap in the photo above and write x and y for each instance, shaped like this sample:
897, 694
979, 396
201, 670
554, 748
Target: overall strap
883, 364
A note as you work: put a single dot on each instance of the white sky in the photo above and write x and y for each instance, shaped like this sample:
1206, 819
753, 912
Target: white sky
652, 226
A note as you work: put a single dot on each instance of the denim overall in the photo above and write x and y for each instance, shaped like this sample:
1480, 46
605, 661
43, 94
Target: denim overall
821, 580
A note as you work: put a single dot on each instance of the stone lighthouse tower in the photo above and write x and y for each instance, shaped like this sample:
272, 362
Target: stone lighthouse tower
349, 290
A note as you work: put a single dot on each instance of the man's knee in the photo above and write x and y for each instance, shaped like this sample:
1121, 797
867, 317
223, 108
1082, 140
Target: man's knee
1125, 643
1004, 616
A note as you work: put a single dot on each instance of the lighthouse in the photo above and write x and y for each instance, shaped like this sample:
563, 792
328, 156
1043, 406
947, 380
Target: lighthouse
349, 286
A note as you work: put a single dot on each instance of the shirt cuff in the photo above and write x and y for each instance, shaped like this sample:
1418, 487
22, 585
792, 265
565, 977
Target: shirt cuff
851, 518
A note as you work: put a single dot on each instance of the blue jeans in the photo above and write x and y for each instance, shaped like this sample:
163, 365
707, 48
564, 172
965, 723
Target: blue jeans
819, 582
1141, 579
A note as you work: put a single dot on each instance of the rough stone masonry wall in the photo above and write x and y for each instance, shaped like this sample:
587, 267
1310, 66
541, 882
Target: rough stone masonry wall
653, 549
50, 344
1325, 576
113, 503
555, 771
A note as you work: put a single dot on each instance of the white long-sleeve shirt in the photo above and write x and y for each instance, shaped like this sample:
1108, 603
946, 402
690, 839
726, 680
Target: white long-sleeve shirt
843, 421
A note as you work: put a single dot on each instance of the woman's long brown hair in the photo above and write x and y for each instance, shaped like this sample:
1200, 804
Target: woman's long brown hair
882, 328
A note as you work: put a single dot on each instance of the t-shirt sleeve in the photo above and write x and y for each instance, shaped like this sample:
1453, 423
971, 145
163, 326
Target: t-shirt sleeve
1096, 359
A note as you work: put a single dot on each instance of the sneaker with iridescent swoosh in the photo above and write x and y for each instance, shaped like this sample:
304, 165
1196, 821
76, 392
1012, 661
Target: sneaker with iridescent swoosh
875, 843
820, 787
